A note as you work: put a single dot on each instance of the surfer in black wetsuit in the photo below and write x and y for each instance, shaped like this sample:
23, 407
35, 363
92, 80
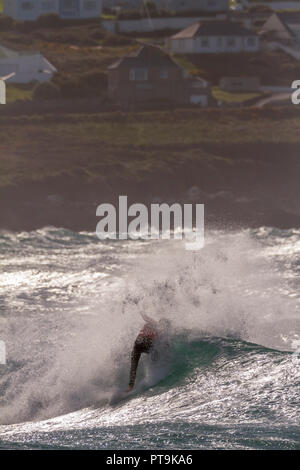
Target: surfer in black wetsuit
144, 344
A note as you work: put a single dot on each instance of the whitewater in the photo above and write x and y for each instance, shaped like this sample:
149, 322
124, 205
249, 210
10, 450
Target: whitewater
70, 309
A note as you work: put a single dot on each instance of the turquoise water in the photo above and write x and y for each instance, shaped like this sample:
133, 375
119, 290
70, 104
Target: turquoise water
70, 312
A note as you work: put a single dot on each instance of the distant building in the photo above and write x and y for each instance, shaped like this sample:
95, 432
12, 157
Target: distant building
283, 26
27, 66
208, 37
149, 75
240, 84
172, 5
275, 5
32, 9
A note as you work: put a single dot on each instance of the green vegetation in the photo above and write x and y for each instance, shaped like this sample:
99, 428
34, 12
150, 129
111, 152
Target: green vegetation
233, 97
16, 92
272, 67
80, 50
108, 16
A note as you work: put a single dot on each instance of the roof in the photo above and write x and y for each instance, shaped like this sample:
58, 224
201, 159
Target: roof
214, 28
289, 20
146, 55
6, 53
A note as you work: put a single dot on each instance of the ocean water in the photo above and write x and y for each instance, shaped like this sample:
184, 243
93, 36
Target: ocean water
71, 308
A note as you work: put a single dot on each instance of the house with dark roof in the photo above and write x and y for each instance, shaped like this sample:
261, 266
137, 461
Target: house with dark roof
284, 26
211, 37
149, 75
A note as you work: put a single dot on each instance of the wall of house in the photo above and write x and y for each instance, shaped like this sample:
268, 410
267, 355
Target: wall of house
31, 9
27, 68
212, 44
10, 8
174, 5
240, 84
276, 6
199, 99
185, 5
145, 25
126, 92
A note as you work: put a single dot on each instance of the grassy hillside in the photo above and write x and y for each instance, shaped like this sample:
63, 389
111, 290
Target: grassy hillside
134, 145
272, 67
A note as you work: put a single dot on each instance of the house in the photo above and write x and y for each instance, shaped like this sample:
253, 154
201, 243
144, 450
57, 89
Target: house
283, 26
240, 84
275, 5
172, 5
31, 9
149, 75
27, 66
207, 37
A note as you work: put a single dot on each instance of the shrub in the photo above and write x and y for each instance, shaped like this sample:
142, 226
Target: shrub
46, 91
25, 26
95, 79
97, 34
116, 40
50, 20
91, 84
6, 23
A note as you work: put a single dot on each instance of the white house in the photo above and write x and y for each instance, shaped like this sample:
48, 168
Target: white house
172, 5
32, 9
27, 66
206, 37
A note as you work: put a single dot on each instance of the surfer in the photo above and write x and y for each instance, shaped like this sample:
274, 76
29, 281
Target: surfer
144, 343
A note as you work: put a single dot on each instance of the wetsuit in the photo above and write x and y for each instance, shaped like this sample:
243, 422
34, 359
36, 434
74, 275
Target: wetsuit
143, 344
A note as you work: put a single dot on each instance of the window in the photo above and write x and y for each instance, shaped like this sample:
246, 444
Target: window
69, 7
205, 42
181, 44
251, 41
48, 5
90, 5
69, 3
231, 42
164, 74
27, 6
138, 74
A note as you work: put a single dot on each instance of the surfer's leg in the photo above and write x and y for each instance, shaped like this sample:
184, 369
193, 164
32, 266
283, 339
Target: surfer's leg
141, 345
135, 357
